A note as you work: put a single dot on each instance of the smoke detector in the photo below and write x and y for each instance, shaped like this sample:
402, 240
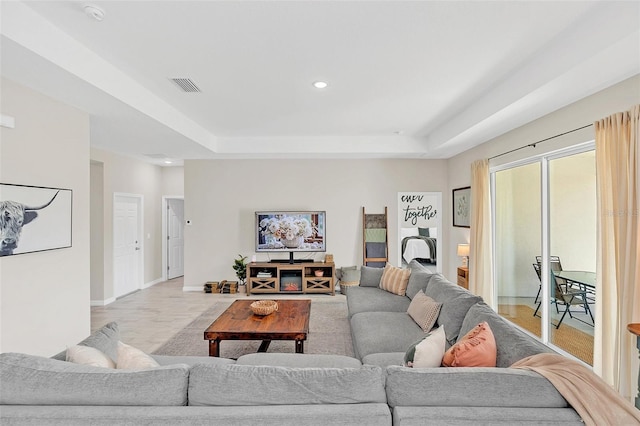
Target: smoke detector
94, 12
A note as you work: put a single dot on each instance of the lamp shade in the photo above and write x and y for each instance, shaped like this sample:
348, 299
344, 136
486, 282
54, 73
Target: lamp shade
463, 250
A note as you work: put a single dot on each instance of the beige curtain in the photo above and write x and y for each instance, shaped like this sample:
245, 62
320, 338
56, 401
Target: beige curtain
480, 246
618, 249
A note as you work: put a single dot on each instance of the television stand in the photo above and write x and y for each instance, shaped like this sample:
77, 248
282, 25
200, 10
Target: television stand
307, 277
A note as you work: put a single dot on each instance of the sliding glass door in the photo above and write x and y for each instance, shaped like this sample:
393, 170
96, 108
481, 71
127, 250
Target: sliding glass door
517, 233
545, 247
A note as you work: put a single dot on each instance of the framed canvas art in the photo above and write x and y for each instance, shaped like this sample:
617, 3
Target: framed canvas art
462, 207
34, 218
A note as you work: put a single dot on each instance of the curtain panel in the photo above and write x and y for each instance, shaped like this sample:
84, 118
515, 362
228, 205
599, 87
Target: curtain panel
618, 249
480, 245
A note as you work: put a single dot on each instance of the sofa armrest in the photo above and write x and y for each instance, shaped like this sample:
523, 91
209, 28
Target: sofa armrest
470, 386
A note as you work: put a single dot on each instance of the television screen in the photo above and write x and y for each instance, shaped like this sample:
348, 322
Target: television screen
290, 231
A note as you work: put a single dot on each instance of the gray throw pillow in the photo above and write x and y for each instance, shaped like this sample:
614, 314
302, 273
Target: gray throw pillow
370, 277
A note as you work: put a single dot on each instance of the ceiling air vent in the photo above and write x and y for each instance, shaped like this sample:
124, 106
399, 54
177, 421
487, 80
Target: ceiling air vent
186, 84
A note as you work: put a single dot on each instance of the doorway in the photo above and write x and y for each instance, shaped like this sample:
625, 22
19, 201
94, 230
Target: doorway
127, 244
173, 237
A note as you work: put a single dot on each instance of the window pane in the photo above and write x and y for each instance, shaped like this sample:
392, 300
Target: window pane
518, 230
572, 221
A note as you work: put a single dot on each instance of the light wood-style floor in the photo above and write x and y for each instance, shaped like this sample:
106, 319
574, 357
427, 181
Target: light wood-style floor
149, 317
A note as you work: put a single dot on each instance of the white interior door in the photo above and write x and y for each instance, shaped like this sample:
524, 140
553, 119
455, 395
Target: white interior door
127, 245
175, 238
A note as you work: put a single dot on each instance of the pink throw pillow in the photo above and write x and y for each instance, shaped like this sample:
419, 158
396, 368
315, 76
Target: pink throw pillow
476, 349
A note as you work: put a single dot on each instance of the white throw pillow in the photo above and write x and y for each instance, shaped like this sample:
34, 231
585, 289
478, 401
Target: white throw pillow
433, 232
130, 358
408, 232
87, 355
429, 352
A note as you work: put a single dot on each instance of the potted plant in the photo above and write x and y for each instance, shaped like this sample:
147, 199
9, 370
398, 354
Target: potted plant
240, 266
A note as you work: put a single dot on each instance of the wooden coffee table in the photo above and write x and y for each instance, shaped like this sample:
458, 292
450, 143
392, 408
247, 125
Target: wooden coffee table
238, 322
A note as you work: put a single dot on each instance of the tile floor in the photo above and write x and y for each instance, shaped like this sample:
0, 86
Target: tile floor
149, 317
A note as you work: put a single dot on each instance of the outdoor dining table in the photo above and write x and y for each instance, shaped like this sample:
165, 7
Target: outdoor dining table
585, 279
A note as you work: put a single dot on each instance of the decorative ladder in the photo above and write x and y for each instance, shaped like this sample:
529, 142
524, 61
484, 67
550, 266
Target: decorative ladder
375, 239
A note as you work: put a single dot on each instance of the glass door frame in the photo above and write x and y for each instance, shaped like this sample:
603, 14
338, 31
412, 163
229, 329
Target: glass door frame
545, 238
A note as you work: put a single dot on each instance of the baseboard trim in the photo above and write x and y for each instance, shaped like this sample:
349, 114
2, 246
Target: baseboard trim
193, 288
104, 302
152, 283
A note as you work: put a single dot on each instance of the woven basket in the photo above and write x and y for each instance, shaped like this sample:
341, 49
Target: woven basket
345, 284
264, 307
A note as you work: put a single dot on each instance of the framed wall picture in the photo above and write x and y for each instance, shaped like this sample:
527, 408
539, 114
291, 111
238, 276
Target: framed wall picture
34, 218
462, 207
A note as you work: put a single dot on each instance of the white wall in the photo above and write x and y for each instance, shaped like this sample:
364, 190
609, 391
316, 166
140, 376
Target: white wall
173, 181
127, 175
221, 197
44, 296
619, 97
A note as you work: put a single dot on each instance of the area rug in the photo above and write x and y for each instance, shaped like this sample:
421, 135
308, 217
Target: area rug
329, 333
570, 339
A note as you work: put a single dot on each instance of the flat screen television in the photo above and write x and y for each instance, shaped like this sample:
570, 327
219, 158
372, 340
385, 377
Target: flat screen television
290, 231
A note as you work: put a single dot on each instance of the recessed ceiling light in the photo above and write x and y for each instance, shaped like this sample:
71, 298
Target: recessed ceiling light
168, 162
320, 84
94, 12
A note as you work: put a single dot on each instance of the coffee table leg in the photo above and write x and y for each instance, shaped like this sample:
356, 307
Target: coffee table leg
264, 345
214, 348
299, 346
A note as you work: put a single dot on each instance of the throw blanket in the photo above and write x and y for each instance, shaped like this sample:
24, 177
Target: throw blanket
430, 242
592, 398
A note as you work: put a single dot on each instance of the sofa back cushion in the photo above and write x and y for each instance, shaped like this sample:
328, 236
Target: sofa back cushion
370, 276
105, 339
418, 280
469, 387
34, 380
455, 300
234, 384
512, 344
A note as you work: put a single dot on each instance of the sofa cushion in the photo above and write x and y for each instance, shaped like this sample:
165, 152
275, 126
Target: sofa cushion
33, 380
369, 299
469, 387
384, 359
86, 355
105, 339
370, 277
229, 385
394, 279
477, 348
374, 332
455, 300
512, 344
428, 352
424, 311
418, 280
299, 360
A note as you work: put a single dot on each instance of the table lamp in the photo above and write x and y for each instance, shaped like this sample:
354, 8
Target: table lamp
463, 251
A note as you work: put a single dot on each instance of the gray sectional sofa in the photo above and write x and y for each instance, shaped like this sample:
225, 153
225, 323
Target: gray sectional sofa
265, 389
293, 389
382, 331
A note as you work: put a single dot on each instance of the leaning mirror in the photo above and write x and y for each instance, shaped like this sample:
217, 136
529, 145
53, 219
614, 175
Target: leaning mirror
419, 223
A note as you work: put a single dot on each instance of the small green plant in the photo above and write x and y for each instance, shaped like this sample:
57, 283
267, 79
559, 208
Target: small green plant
240, 266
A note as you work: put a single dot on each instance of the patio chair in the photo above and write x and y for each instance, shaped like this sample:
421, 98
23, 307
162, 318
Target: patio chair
567, 297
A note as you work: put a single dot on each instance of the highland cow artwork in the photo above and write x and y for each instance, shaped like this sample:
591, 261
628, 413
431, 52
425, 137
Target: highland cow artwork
34, 219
